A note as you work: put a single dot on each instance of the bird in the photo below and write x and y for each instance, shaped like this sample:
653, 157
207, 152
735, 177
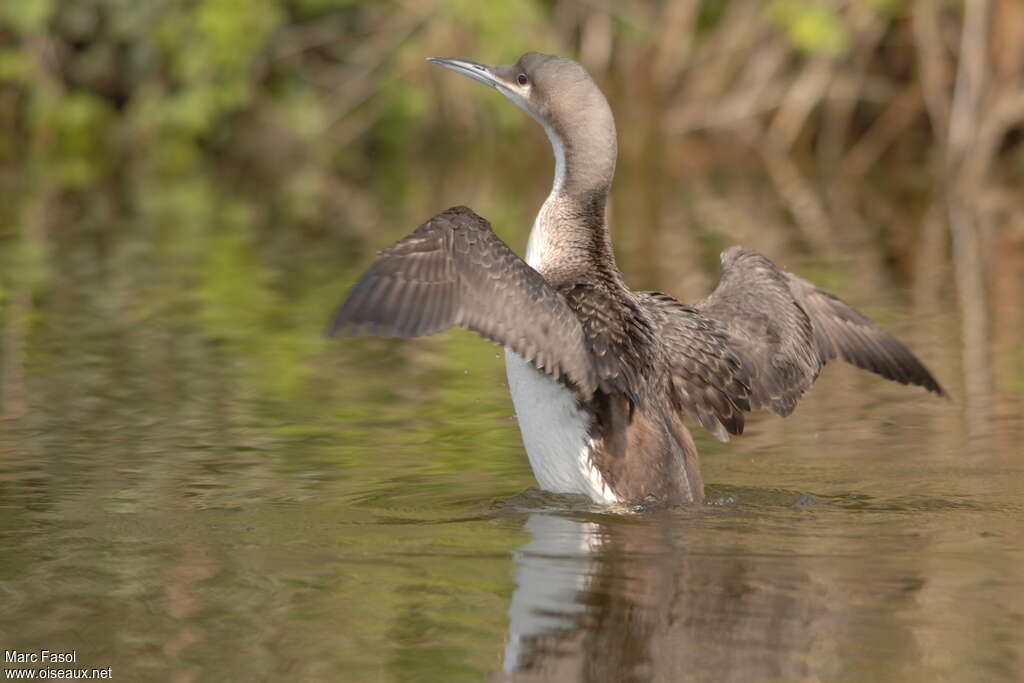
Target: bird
602, 376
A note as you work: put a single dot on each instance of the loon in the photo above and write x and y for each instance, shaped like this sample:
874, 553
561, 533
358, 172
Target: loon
600, 375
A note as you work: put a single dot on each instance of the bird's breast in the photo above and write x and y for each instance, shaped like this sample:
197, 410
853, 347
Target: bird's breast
556, 433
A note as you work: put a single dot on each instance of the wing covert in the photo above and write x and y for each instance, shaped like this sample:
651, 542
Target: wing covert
768, 331
709, 382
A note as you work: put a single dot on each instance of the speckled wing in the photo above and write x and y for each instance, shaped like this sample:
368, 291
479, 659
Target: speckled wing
772, 335
453, 271
784, 330
618, 336
842, 332
709, 382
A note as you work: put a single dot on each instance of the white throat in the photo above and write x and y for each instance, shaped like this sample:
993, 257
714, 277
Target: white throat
538, 245
559, 148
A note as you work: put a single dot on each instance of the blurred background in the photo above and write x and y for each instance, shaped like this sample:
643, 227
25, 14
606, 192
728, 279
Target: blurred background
188, 468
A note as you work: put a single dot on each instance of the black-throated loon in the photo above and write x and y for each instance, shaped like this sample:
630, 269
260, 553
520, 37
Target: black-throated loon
601, 375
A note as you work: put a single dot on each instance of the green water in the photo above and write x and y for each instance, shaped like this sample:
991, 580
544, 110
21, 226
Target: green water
177, 505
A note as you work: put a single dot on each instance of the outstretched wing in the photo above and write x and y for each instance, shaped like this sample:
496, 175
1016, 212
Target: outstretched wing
784, 330
842, 332
453, 271
709, 382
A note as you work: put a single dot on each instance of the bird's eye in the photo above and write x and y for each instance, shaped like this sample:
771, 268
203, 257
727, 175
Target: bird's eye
521, 79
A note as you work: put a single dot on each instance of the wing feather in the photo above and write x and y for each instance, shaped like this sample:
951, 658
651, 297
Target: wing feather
784, 329
843, 332
454, 271
708, 381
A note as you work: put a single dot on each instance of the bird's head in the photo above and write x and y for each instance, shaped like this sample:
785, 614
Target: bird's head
555, 91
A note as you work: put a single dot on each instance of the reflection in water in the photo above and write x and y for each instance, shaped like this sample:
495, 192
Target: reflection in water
548, 573
600, 599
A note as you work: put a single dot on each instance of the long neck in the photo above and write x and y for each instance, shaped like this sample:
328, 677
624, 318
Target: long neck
585, 152
571, 230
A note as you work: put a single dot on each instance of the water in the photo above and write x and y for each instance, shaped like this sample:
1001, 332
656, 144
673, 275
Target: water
176, 509
196, 486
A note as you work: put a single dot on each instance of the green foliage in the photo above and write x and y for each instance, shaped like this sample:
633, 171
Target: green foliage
309, 8
14, 66
888, 8
500, 27
210, 50
27, 16
811, 26
710, 14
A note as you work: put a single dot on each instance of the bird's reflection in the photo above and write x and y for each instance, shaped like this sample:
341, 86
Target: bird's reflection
581, 609
548, 573
618, 598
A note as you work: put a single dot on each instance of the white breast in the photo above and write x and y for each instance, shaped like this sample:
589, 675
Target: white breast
554, 429
554, 433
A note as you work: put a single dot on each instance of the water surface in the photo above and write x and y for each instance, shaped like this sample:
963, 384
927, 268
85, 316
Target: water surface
176, 516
